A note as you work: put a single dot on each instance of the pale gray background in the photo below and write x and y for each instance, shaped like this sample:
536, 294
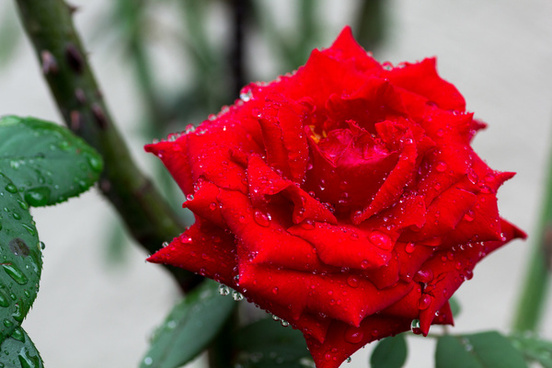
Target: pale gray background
497, 52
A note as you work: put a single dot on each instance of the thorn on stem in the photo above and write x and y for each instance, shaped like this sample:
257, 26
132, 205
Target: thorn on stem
75, 120
74, 58
72, 8
80, 95
99, 116
105, 185
49, 63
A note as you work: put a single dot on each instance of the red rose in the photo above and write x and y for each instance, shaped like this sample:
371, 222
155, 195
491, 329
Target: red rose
344, 198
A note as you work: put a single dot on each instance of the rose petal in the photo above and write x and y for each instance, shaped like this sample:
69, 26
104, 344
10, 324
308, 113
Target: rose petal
344, 246
204, 249
422, 78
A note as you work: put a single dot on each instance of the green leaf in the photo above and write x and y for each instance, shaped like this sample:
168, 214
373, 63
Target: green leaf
20, 258
18, 351
534, 349
45, 161
267, 344
481, 350
189, 328
390, 352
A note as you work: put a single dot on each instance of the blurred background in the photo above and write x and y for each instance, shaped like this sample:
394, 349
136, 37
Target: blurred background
168, 63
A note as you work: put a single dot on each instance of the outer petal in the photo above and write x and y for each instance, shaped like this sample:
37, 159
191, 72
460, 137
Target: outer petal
204, 249
422, 78
449, 269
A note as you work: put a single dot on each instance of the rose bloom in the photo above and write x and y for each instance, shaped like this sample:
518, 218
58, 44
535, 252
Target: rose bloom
344, 198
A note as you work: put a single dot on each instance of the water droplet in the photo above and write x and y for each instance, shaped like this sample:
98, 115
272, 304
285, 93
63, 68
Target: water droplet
8, 323
148, 361
95, 163
409, 248
4, 301
39, 196
381, 240
349, 360
415, 326
10, 187
424, 276
425, 301
16, 216
237, 296
354, 335
224, 290
30, 229
213, 206
284, 323
15, 273
307, 225
441, 166
18, 334
440, 133
353, 281
469, 216
274, 290
190, 197
23, 205
246, 93
261, 218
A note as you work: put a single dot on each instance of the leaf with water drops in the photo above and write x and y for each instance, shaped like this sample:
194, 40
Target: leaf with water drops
189, 328
267, 344
20, 258
45, 161
534, 349
481, 350
390, 352
18, 351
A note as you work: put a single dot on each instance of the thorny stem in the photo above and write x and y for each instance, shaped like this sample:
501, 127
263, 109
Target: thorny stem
147, 216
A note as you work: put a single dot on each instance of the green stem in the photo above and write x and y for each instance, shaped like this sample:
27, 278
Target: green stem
221, 352
532, 298
147, 216
370, 24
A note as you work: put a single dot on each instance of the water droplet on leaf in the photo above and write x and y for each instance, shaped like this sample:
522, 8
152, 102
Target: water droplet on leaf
15, 273
38, 196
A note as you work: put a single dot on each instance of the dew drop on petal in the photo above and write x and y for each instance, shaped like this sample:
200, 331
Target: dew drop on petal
409, 248
261, 218
237, 296
425, 301
352, 281
307, 225
415, 326
353, 335
381, 240
441, 166
224, 290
